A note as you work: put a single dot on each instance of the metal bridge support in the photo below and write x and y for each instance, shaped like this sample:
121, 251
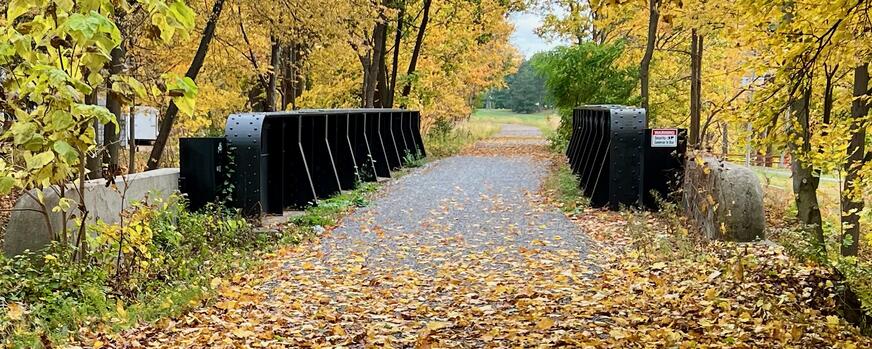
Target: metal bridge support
617, 161
292, 159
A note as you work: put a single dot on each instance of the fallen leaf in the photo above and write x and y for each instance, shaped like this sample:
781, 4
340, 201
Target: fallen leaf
544, 323
437, 325
15, 311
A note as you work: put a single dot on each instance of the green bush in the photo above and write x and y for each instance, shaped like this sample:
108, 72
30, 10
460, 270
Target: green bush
445, 138
327, 212
564, 186
413, 160
585, 74
160, 259
45, 294
159, 262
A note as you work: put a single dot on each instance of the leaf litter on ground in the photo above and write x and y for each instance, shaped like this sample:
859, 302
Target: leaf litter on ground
626, 292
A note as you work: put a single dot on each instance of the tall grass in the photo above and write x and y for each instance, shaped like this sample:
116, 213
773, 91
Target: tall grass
447, 139
546, 121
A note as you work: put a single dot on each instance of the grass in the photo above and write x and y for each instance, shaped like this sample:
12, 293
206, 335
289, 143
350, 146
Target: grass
62, 301
546, 120
563, 186
779, 185
444, 144
328, 212
447, 140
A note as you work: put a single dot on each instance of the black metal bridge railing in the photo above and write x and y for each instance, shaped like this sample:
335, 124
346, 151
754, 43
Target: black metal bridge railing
619, 162
279, 160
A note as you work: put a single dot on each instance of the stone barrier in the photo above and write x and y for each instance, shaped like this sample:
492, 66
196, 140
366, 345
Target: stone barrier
724, 200
27, 229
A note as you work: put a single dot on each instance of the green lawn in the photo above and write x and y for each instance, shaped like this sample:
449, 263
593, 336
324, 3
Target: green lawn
485, 123
546, 120
779, 181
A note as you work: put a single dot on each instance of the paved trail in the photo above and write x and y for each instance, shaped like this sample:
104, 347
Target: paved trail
456, 254
458, 206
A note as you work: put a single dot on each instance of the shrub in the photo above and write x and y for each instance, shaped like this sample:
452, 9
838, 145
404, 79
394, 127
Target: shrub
159, 256
585, 74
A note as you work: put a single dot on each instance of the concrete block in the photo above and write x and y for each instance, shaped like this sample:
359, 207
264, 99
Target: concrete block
27, 228
724, 200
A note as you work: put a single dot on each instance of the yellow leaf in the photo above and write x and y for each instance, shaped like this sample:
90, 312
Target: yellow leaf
119, 308
544, 323
226, 305
710, 294
15, 311
355, 268
215, 283
338, 330
437, 325
832, 321
242, 333
491, 334
308, 266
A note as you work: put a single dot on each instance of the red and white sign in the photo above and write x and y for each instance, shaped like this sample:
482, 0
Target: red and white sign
664, 138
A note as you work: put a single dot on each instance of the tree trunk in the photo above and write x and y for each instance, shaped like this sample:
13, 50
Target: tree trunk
299, 76
94, 162
372, 65
416, 52
852, 198
111, 140
805, 178
365, 62
381, 85
166, 124
292, 75
695, 87
395, 63
828, 95
381, 96
275, 52
131, 139
286, 84
645, 65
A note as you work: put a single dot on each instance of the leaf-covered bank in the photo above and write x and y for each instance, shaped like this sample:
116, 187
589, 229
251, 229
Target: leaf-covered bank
162, 263
655, 282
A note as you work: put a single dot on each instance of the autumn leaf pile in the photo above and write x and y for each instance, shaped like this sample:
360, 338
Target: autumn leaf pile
636, 287
512, 140
748, 296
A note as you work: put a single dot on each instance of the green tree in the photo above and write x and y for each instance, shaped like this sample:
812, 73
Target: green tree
585, 74
526, 90
53, 54
499, 98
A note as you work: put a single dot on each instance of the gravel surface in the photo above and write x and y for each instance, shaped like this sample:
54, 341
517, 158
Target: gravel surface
457, 206
457, 254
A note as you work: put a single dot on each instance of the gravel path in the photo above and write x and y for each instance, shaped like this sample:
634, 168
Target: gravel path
457, 254
460, 255
456, 206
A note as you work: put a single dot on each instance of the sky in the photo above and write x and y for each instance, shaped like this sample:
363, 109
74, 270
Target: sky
524, 37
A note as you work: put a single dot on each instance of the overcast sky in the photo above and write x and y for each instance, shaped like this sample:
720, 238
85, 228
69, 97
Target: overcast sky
524, 37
